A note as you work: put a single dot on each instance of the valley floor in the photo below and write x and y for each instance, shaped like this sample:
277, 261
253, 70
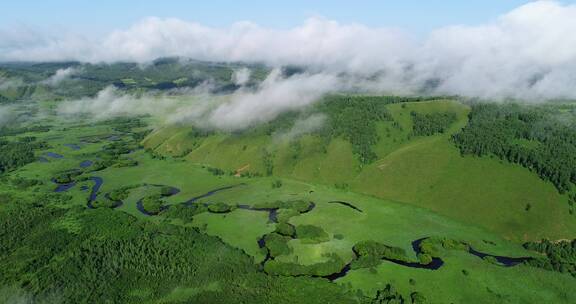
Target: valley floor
451, 237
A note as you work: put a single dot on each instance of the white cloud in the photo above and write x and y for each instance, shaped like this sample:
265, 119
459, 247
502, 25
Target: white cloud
529, 52
241, 76
60, 75
239, 110
6, 115
274, 96
302, 126
112, 103
10, 83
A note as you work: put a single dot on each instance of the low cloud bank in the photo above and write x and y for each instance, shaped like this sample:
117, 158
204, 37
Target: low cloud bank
301, 127
241, 77
110, 103
6, 84
6, 115
244, 108
61, 75
274, 96
528, 53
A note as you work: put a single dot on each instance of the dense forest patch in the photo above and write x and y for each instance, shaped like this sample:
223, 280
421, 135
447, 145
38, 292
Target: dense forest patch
113, 255
355, 117
559, 256
430, 124
531, 136
15, 154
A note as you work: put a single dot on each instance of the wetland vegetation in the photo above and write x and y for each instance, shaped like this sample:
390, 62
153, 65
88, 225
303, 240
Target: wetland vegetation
389, 200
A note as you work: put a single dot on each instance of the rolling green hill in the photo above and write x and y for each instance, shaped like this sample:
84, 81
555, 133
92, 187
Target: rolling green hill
193, 253
30, 80
427, 171
424, 199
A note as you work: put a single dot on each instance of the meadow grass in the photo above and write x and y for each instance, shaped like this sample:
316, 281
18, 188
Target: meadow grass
420, 187
424, 171
239, 228
466, 279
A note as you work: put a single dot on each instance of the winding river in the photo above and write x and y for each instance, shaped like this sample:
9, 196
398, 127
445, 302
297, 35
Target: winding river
98, 181
140, 205
349, 205
63, 187
502, 260
272, 212
54, 155
209, 193
86, 164
435, 264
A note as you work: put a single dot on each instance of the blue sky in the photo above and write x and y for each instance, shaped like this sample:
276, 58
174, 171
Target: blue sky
103, 15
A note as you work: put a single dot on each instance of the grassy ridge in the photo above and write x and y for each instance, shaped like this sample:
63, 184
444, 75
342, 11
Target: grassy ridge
427, 171
393, 223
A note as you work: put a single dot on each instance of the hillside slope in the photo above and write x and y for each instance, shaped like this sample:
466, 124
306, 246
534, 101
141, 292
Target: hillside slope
427, 171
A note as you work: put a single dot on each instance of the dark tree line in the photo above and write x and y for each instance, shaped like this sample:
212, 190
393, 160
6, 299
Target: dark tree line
389, 295
351, 117
527, 135
355, 117
5, 131
17, 154
559, 256
430, 124
370, 254
111, 254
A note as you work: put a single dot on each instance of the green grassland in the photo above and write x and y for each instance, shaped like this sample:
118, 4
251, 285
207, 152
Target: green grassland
426, 171
481, 284
417, 187
398, 225
239, 228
